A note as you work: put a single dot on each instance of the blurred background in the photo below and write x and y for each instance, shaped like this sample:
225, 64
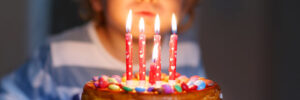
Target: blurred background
250, 47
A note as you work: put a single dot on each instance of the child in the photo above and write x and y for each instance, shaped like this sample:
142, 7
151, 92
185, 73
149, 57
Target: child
59, 69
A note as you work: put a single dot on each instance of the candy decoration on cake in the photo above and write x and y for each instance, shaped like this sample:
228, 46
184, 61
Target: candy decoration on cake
184, 86
114, 87
178, 88
167, 88
140, 89
194, 83
128, 89
117, 78
150, 89
103, 83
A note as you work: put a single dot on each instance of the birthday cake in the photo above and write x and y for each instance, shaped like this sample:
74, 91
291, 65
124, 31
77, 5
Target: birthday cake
155, 86
115, 88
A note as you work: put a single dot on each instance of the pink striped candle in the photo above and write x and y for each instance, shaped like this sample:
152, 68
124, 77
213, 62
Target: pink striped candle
157, 42
173, 51
128, 38
142, 50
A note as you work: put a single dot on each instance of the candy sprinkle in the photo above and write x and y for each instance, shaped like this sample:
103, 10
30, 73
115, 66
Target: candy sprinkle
184, 87
114, 87
150, 89
128, 89
140, 89
117, 78
201, 85
194, 87
167, 89
103, 83
198, 82
178, 88
96, 83
112, 80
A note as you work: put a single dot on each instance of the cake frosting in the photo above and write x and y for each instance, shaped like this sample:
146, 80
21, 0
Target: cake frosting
183, 88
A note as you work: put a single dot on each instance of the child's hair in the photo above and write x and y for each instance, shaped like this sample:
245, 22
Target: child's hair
86, 13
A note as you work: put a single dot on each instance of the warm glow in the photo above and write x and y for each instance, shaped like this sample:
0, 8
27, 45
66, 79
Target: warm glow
155, 53
157, 24
142, 25
129, 21
174, 24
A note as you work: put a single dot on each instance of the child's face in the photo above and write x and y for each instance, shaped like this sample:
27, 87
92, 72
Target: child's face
117, 10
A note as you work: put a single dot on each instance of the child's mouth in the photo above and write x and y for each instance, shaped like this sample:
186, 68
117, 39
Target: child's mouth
145, 14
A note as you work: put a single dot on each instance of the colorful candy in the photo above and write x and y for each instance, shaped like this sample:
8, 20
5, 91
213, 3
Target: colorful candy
123, 79
164, 77
112, 80
192, 80
183, 83
103, 83
117, 77
120, 85
207, 81
96, 83
150, 89
177, 88
194, 87
140, 89
190, 83
104, 77
184, 87
198, 82
128, 89
201, 86
167, 89
181, 79
114, 87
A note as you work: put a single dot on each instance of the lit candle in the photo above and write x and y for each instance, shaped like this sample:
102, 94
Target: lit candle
128, 37
173, 51
142, 48
153, 68
157, 40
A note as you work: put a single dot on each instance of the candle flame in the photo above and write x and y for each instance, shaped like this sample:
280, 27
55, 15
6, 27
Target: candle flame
142, 25
174, 23
129, 21
155, 53
157, 24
